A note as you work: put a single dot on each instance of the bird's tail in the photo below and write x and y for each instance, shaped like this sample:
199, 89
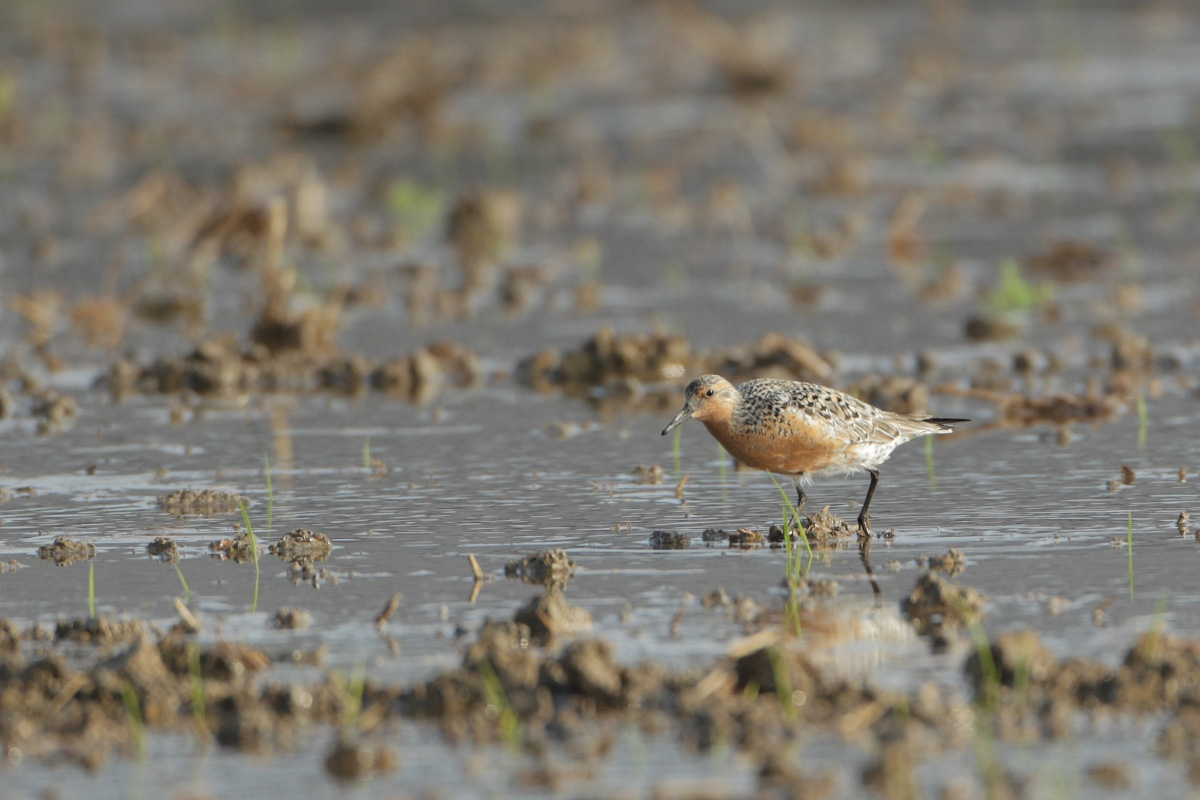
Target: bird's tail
945, 424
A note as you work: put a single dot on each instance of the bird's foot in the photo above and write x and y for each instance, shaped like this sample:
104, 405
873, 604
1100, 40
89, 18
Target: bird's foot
864, 526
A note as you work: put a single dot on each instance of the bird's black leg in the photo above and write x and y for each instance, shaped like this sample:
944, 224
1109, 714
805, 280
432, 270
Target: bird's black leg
800, 498
864, 527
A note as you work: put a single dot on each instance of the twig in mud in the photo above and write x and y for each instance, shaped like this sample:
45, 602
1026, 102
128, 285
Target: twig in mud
381, 620
680, 485
186, 617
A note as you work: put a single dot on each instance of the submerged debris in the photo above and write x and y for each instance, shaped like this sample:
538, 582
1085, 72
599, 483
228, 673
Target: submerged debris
65, 551
206, 502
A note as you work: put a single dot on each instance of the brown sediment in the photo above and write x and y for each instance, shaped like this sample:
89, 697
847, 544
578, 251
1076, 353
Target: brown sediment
63, 551
206, 502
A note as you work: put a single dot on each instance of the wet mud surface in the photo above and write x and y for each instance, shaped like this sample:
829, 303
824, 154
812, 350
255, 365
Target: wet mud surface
335, 345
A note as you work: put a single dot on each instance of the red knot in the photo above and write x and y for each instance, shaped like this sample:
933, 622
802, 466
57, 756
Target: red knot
801, 430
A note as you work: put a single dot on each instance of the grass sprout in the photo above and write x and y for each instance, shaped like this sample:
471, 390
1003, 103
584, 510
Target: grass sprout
253, 552
1160, 610
1143, 421
1014, 293
133, 711
929, 461
187, 592
351, 692
783, 685
1129, 548
415, 210
197, 689
497, 700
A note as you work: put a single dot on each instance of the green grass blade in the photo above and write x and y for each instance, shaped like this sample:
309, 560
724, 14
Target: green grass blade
1129, 547
253, 553
929, 461
137, 729
1143, 421
187, 593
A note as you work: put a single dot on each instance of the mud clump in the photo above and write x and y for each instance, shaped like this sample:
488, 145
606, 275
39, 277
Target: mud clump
302, 542
669, 540
549, 568
936, 607
630, 366
302, 550
239, 549
292, 619
287, 357
550, 616
825, 528
772, 356
98, 630
354, 760
64, 551
746, 538
164, 549
1012, 657
55, 412
1071, 261
648, 474
952, 563
202, 502
607, 357
421, 375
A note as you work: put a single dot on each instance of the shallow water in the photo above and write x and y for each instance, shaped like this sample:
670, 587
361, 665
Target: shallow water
1056, 124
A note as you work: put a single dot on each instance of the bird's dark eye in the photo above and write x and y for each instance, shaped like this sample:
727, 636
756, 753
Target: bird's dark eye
709, 393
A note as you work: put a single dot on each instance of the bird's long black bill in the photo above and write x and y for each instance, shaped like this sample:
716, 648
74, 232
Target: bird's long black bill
680, 417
